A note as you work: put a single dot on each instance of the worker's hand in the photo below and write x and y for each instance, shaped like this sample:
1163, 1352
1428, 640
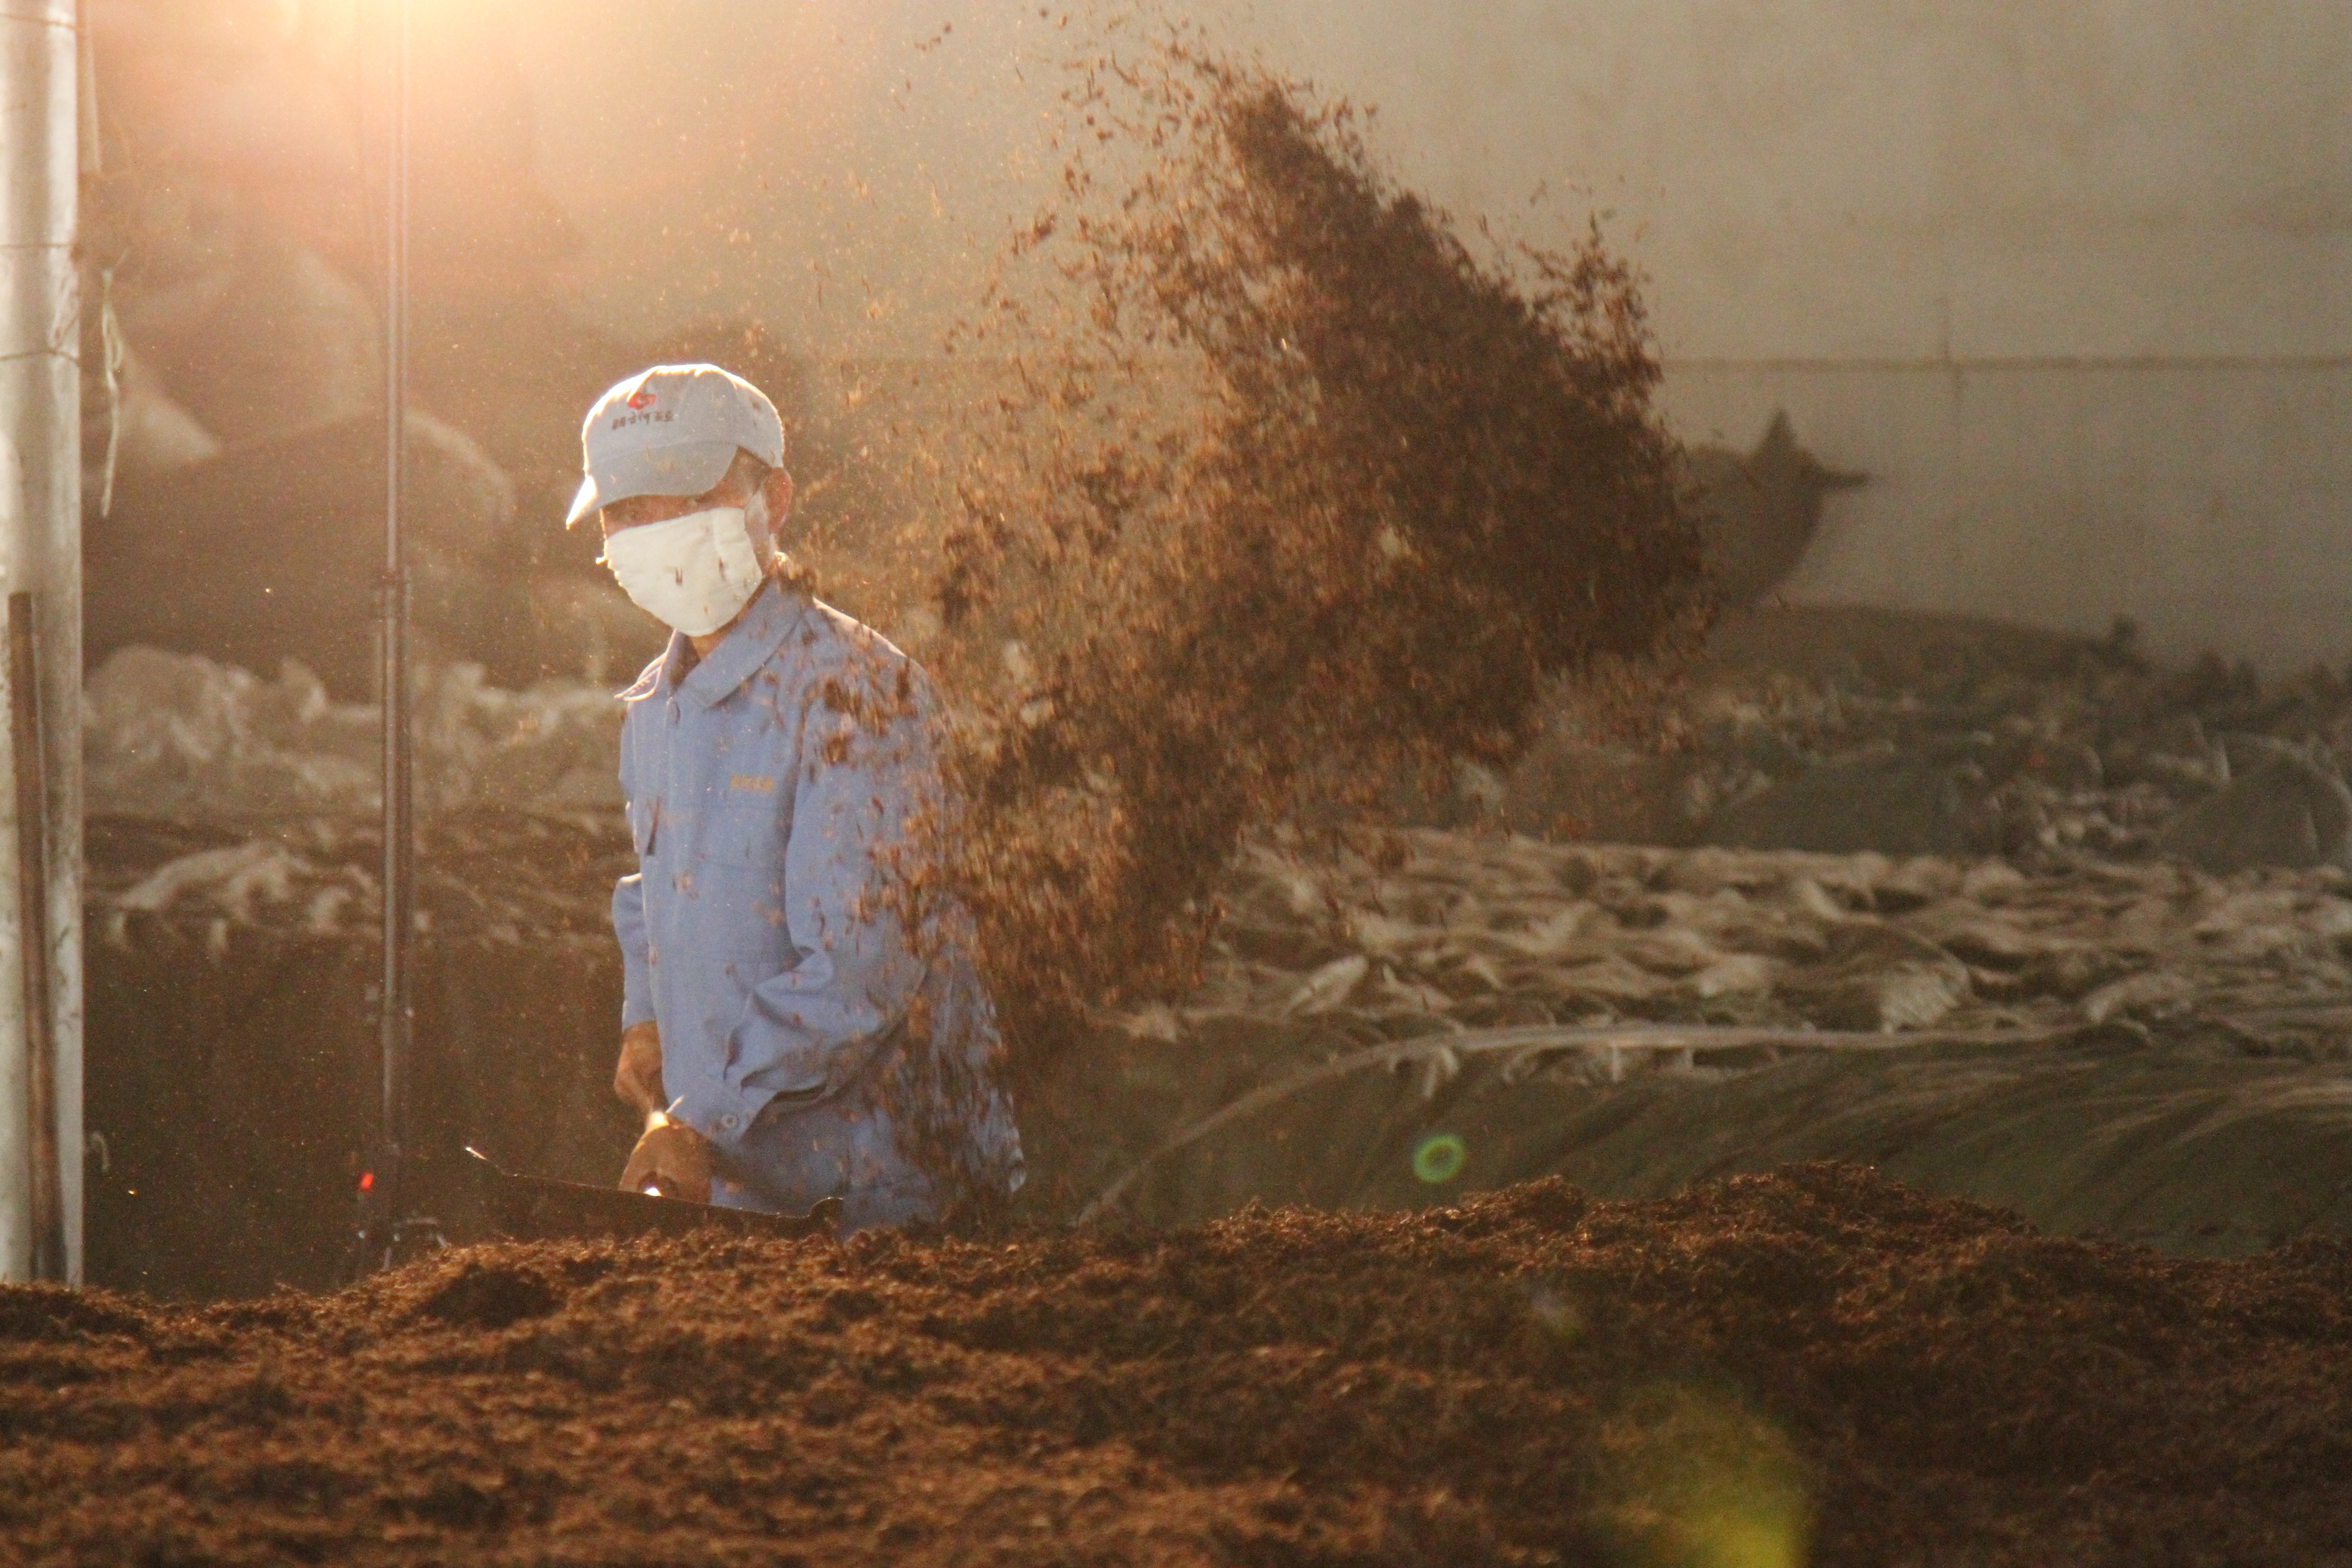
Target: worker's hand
638, 1077
674, 1160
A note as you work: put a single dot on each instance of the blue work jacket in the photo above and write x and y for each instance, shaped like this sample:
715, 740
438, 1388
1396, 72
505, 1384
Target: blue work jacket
774, 790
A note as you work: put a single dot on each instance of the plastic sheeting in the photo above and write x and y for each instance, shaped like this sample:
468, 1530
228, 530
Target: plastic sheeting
178, 735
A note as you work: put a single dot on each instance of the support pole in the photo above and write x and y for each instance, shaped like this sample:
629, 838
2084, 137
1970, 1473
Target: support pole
41, 559
387, 1204
24, 747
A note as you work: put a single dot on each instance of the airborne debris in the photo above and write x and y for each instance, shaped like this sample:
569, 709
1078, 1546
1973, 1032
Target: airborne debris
1291, 491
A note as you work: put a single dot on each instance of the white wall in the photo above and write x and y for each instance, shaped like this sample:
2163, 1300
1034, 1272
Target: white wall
2208, 501
1898, 178
2073, 277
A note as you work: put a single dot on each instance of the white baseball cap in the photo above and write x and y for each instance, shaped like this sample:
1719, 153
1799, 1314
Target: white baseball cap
672, 430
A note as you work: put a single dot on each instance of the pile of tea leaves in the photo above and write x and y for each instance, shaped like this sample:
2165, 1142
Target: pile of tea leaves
1814, 1366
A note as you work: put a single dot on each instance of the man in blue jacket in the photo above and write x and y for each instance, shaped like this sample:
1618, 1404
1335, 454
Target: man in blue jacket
792, 1031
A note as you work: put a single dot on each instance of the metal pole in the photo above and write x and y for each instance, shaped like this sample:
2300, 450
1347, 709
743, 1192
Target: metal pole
398, 1019
40, 555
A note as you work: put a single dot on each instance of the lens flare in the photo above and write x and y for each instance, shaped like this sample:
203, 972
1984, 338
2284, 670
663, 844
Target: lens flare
1694, 1478
1439, 1158
1558, 1313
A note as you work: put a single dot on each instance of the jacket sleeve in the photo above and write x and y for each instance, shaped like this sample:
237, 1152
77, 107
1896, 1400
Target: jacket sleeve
810, 1030
629, 925
629, 918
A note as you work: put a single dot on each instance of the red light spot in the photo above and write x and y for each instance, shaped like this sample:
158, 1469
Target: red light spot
367, 1180
641, 398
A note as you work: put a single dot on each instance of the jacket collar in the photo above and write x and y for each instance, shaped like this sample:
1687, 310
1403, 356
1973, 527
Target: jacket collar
771, 616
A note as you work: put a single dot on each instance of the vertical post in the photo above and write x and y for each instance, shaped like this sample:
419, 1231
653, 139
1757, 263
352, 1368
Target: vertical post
32, 791
390, 1197
40, 555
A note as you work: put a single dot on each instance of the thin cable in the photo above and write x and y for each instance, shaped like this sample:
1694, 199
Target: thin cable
398, 1019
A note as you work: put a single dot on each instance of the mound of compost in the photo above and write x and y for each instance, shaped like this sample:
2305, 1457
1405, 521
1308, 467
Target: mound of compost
1812, 1366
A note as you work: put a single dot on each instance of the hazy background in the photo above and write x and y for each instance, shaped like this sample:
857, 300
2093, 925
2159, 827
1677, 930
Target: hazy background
2068, 277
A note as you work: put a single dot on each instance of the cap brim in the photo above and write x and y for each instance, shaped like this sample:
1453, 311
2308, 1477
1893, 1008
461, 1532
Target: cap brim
688, 468
584, 502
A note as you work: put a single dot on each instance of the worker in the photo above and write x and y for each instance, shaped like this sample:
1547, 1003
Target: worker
793, 1027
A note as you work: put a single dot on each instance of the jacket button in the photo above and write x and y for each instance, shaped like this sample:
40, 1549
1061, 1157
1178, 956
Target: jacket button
728, 1121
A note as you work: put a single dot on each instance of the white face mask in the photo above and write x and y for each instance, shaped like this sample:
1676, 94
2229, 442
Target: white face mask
695, 572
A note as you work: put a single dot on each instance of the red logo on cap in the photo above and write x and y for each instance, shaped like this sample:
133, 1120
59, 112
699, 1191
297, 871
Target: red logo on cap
641, 398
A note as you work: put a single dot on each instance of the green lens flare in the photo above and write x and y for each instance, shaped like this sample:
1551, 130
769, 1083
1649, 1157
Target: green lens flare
1439, 1158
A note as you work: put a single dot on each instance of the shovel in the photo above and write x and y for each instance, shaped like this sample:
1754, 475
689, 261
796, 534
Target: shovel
537, 1208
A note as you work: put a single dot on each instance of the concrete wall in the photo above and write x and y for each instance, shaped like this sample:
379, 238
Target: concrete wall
2074, 277
1897, 178
2210, 500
